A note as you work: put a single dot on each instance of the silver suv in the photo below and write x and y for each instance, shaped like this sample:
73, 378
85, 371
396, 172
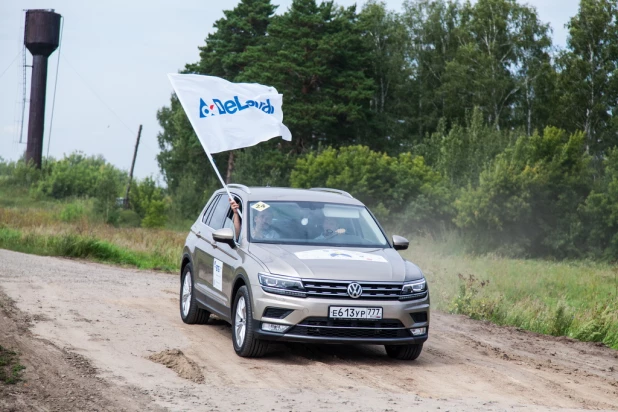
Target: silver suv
308, 266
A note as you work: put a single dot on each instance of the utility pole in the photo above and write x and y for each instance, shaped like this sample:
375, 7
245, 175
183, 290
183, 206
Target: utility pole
126, 198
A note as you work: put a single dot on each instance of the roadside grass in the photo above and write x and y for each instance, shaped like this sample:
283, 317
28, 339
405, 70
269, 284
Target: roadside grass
578, 299
68, 228
89, 247
10, 369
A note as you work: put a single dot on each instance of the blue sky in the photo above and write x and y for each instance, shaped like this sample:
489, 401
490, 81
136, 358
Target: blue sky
112, 71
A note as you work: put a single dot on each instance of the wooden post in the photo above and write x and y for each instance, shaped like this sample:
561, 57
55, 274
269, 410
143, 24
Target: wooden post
126, 198
230, 167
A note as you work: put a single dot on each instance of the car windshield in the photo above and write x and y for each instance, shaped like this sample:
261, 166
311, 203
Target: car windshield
313, 223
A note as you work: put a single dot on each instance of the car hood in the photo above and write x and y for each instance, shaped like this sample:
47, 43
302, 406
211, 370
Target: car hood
336, 263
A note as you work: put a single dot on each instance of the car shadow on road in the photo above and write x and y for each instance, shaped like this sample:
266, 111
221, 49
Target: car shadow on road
301, 353
295, 353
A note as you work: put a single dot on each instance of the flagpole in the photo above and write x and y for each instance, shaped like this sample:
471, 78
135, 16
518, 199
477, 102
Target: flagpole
212, 161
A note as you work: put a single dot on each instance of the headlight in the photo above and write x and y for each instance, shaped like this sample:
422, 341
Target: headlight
418, 286
282, 285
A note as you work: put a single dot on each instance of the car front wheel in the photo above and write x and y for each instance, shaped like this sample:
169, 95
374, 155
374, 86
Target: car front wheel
189, 311
243, 336
404, 352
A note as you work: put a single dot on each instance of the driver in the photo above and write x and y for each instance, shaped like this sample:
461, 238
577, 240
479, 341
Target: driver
262, 225
330, 228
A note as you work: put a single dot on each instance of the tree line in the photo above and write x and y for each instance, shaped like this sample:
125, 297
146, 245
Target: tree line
446, 115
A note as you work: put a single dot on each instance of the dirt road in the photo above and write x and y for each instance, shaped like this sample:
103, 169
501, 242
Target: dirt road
96, 337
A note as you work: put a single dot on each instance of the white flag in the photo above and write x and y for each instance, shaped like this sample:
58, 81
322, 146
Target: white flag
227, 116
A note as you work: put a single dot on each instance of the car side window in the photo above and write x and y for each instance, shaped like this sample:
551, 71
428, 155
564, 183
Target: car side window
229, 217
209, 209
219, 213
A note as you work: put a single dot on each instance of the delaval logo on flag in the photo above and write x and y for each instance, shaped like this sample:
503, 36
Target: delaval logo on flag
233, 106
228, 116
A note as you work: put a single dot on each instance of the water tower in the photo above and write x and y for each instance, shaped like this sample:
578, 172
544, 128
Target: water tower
42, 34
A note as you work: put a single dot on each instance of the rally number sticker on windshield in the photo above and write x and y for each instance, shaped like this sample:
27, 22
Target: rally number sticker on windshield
217, 271
260, 206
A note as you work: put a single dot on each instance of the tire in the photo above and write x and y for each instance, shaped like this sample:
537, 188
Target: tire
189, 311
404, 352
243, 336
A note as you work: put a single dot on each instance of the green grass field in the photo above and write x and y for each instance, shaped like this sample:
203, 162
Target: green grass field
577, 299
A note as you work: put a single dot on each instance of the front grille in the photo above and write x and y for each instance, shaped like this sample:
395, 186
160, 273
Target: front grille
360, 329
339, 289
276, 313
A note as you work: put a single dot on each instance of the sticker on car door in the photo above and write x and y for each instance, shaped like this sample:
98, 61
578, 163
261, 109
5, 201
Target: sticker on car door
217, 271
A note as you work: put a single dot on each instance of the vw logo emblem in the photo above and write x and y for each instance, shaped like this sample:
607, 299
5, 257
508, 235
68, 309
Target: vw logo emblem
355, 290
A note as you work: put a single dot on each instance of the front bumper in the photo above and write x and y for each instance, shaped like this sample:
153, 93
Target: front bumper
309, 323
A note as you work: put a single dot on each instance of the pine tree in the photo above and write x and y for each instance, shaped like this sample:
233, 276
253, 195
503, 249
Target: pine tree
314, 56
182, 159
245, 26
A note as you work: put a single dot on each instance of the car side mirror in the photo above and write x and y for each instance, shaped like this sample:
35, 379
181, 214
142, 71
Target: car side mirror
225, 235
400, 243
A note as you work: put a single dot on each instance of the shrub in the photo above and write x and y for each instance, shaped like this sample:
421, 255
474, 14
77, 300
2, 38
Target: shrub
395, 188
189, 198
155, 215
72, 212
21, 174
6, 168
79, 176
148, 201
262, 165
129, 218
470, 300
108, 187
528, 197
461, 153
600, 211
143, 193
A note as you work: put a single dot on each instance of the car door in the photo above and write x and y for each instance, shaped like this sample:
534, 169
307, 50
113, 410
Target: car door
216, 261
230, 257
203, 260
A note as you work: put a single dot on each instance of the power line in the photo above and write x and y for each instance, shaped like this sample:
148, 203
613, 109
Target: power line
10, 64
51, 121
105, 104
98, 97
23, 78
23, 97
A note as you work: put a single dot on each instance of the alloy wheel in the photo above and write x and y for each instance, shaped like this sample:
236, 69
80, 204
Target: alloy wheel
186, 294
240, 323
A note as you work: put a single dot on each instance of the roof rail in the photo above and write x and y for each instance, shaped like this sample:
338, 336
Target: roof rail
241, 187
328, 189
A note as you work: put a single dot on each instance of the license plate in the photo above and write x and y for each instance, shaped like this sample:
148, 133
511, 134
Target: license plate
349, 312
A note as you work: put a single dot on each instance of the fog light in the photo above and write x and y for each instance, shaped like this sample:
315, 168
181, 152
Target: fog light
273, 327
418, 331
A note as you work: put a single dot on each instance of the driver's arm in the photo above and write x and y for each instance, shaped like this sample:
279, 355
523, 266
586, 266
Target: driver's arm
235, 209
